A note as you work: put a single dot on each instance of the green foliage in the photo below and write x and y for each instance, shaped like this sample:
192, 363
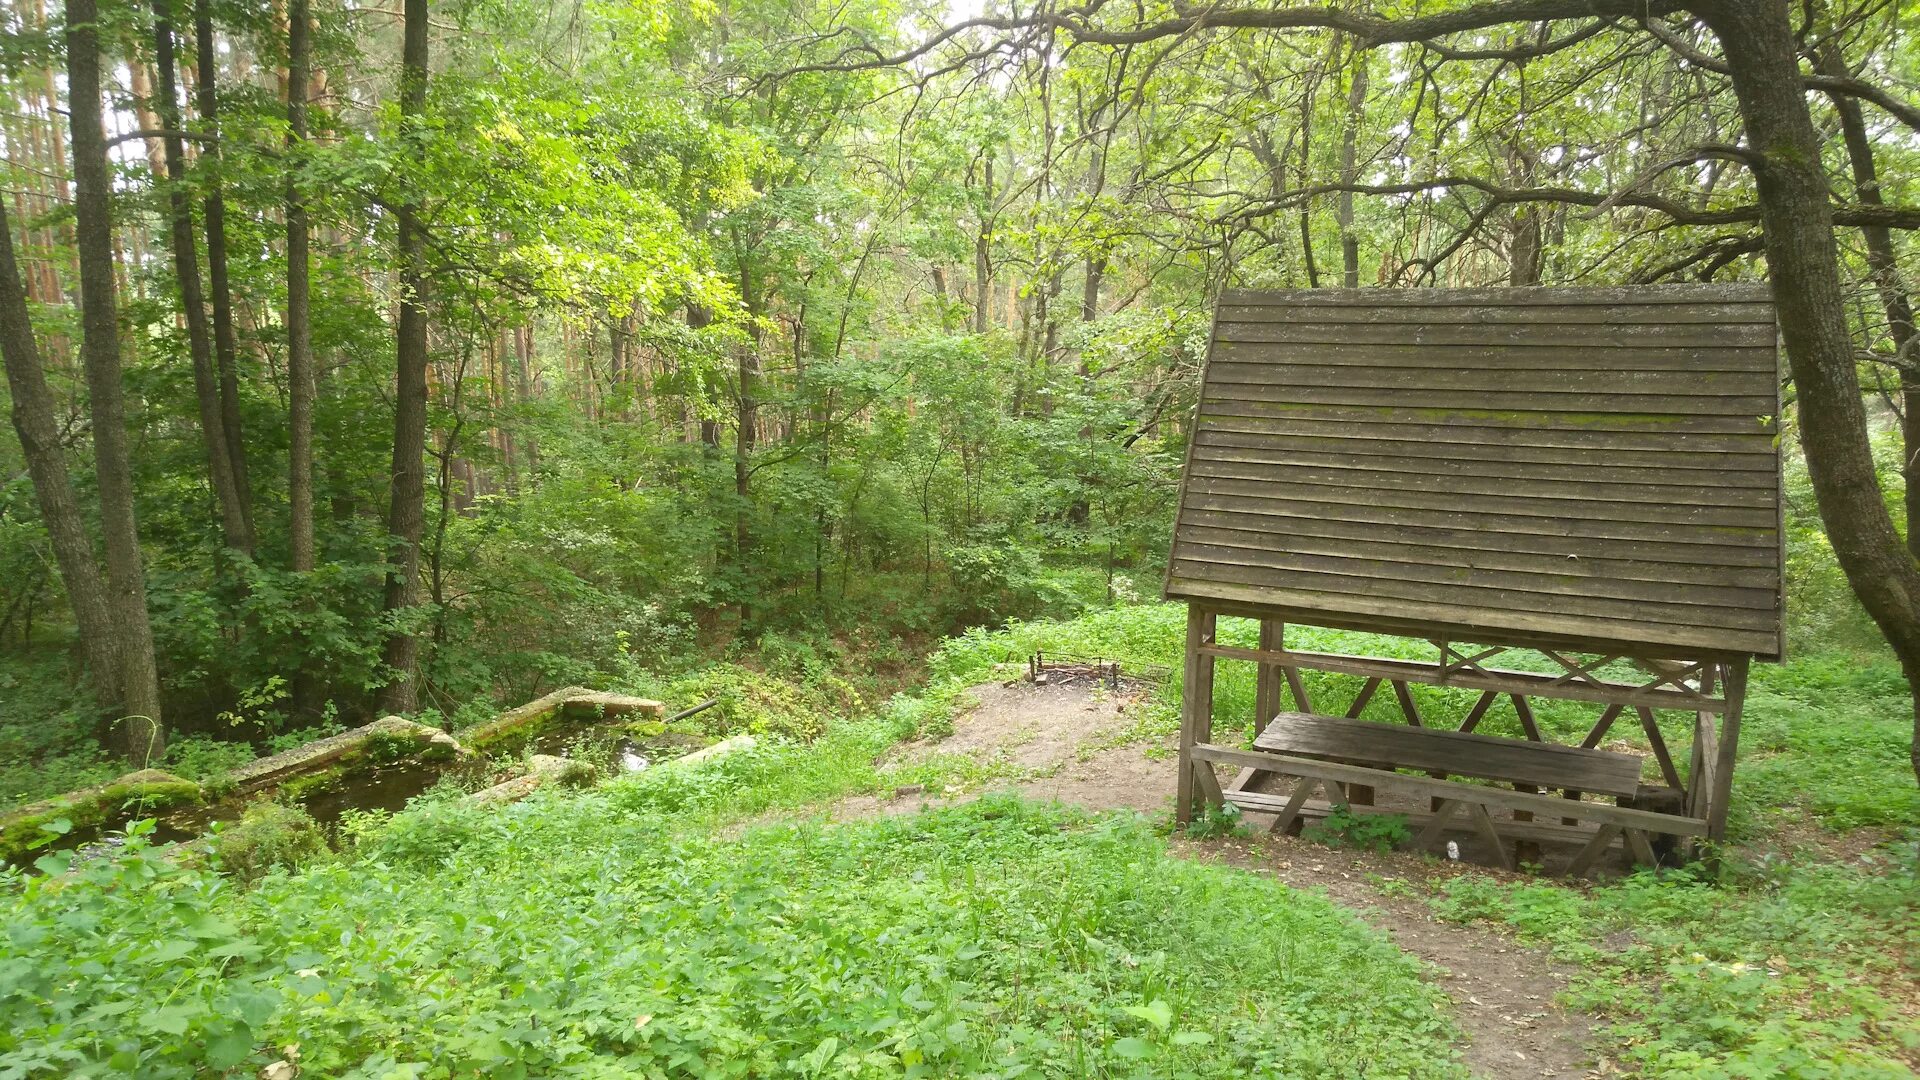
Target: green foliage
751, 702
1342, 828
134, 965
974, 941
1216, 821
1792, 970
269, 836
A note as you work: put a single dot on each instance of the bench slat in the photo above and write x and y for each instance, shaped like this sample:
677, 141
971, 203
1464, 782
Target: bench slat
1488, 757
1545, 805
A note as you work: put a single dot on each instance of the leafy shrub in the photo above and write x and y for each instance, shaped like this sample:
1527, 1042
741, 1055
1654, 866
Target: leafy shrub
1217, 821
269, 836
1342, 828
753, 702
200, 758
134, 965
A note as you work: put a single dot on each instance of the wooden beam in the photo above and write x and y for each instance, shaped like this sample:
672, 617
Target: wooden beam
1594, 849
1602, 726
1500, 679
1299, 689
1727, 749
1483, 821
1270, 803
1266, 679
1407, 707
1549, 805
1659, 743
1196, 706
1365, 695
1479, 710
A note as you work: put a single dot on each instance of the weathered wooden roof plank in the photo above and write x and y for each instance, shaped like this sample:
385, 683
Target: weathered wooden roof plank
1596, 466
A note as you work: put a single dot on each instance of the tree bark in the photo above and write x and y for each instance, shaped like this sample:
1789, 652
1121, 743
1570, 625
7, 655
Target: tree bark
1883, 265
186, 270
1797, 216
301, 387
139, 681
406, 509
214, 211
746, 434
1350, 169
34, 422
983, 255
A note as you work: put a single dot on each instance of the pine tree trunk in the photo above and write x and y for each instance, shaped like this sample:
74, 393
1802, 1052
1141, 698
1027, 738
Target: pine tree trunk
34, 421
1758, 38
186, 269
406, 509
100, 350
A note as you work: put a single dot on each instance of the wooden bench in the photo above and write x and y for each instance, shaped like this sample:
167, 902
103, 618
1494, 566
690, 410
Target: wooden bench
1336, 754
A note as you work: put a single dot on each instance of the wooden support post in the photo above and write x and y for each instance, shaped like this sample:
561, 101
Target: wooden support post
1728, 747
1266, 678
1196, 709
1700, 759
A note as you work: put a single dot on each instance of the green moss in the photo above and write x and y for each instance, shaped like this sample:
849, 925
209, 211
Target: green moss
300, 787
512, 740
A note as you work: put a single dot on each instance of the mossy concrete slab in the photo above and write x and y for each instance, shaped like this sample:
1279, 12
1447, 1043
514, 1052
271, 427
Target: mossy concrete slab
522, 717
144, 791
322, 753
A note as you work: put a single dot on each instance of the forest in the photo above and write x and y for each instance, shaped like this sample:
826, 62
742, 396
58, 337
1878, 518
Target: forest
819, 360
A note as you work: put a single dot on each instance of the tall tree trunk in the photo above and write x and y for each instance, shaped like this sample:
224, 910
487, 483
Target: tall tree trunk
1795, 212
214, 212
139, 681
186, 270
34, 422
983, 255
406, 509
1884, 267
1350, 168
302, 388
746, 435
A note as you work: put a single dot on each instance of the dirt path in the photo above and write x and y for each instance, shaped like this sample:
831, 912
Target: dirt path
1061, 739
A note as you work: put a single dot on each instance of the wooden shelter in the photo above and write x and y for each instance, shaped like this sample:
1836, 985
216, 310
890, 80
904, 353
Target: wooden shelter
1586, 479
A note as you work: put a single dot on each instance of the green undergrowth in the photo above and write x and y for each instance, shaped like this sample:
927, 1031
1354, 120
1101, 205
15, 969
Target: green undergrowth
1799, 964
614, 933
1792, 970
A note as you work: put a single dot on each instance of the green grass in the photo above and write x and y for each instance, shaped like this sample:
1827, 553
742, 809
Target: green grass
680, 923
610, 934
1801, 964
1799, 970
